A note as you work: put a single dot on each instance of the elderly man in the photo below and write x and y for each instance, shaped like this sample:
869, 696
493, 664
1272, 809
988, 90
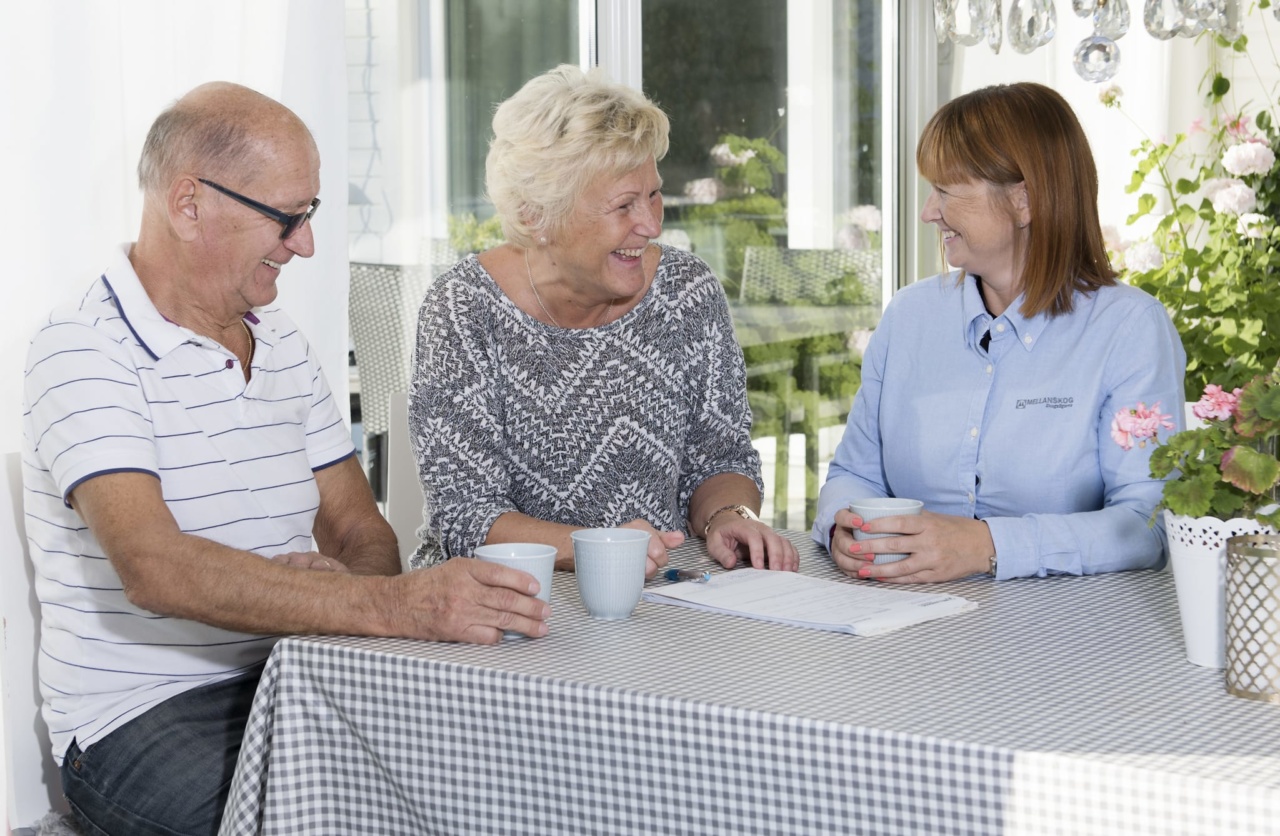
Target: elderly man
182, 450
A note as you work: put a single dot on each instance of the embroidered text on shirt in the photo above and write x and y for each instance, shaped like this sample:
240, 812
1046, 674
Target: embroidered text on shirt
1051, 402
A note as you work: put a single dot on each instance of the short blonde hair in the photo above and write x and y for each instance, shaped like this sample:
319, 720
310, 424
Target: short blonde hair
554, 137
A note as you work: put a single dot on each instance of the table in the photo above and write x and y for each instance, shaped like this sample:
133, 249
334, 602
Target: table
1061, 705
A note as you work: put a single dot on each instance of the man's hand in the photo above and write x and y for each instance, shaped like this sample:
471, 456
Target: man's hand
733, 539
659, 543
939, 547
467, 600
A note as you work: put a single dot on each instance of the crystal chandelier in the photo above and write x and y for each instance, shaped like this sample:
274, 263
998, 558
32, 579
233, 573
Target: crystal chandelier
1031, 24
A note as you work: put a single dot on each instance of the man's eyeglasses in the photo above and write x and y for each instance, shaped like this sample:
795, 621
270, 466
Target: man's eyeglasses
291, 223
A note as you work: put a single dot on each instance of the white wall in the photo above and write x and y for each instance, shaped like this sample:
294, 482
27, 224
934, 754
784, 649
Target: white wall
80, 82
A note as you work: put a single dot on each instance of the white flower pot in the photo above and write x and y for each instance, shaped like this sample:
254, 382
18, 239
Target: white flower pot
1198, 555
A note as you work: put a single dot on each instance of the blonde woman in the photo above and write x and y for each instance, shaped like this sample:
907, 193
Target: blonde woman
581, 375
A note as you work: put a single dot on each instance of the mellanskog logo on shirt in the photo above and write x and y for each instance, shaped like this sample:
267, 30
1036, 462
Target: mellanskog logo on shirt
1051, 402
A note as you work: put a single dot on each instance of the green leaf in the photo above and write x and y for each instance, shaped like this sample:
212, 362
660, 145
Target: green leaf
1258, 411
1146, 202
1249, 470
1185, 186
1190, 497
1220, 86
1272, 519
1227, 503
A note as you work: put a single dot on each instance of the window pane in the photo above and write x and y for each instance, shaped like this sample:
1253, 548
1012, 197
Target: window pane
423, 79
774, 178
495, 46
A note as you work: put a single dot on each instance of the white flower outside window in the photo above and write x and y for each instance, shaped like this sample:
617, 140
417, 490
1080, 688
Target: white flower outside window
1236, 199
1143, 256
1248, 158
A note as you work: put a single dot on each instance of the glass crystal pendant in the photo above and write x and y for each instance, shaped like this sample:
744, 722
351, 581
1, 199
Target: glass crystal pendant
1097, 58
944, 20
1032, 24
1083, 8
992, 15
1226, 20
1112, 19
1162, 18
1197, 9
1190, 27
977, 25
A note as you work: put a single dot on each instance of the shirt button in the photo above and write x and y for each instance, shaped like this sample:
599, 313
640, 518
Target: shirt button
988, 368
231, 364
1000, 328
971, 496
1027, 340
973, 432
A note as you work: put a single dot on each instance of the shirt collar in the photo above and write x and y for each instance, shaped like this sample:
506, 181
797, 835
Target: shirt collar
158, 335
977, 319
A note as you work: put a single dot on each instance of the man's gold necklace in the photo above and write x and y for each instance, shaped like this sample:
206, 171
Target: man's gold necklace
534, 288
248, 360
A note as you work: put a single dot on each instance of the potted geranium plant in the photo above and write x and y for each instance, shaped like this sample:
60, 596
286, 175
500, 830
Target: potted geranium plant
1220, 482
1225, 468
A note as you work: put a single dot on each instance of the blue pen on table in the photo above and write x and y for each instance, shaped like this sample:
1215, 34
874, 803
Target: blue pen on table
686, 575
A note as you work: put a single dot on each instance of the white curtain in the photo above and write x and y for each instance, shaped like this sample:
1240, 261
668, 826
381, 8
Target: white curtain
80, 82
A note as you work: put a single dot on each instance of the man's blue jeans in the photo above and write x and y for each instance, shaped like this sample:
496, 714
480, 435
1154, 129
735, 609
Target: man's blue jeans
167, 771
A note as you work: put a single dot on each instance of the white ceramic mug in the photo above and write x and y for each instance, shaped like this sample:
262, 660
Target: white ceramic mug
610, 564
883, 506
537, 559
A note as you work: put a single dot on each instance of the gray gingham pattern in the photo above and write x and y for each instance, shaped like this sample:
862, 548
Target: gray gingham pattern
1062, 705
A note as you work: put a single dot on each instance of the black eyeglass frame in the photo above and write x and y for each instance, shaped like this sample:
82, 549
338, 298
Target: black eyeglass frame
291, 223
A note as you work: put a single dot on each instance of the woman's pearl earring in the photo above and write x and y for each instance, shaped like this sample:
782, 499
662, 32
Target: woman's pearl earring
543, 240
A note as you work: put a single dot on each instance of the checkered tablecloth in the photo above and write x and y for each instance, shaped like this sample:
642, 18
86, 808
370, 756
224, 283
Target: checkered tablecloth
1060, 706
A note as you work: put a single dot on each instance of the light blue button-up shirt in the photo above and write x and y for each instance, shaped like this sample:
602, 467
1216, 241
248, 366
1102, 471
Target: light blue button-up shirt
1018, 435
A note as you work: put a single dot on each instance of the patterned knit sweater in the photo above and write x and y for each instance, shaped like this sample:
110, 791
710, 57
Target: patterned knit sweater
588, 427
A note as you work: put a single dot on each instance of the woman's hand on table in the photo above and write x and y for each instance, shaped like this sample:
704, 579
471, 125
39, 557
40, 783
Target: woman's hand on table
660, 542
734, 539
467, 600
939, 547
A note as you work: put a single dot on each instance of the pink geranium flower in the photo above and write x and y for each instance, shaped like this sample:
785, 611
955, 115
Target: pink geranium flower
1239, 128
1216, 404
1137, 424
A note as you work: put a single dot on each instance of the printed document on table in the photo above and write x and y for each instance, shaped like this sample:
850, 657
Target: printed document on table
801, 601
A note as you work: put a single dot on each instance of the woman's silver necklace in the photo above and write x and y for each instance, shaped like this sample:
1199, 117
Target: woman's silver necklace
529, 270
